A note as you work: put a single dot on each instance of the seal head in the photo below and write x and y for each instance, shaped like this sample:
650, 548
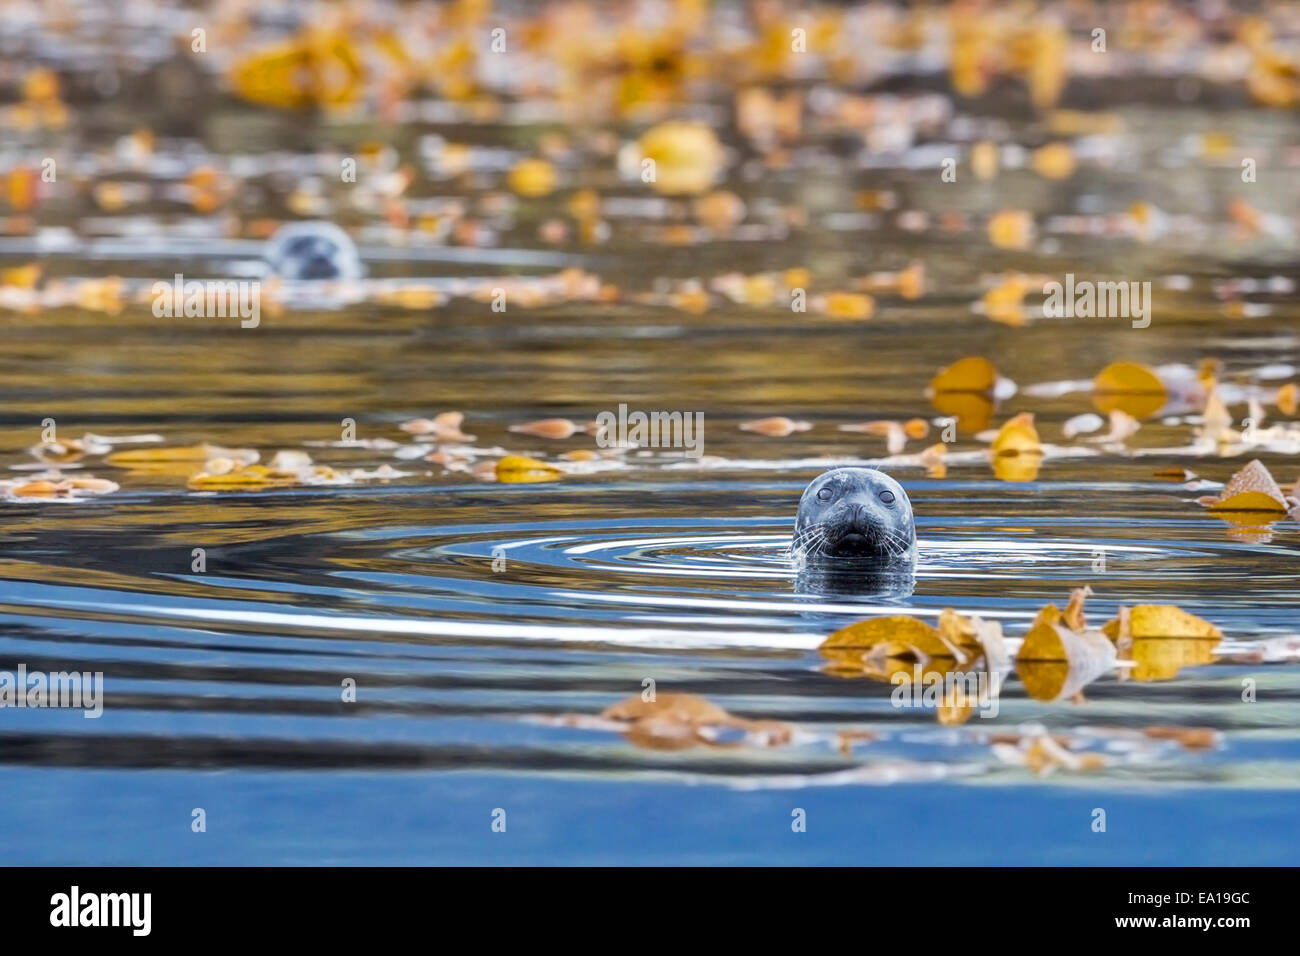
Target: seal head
855, 517
313, 250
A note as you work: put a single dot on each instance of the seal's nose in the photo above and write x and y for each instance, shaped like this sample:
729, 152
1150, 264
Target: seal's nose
861, 519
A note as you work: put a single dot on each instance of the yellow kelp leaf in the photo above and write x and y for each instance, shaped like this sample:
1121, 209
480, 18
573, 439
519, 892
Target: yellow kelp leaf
971, 374
1251, 489
244, 479
1130, 387
1053, 161
847, 305
957, 630
519, 469
1072, 616
1005, 302
1056, 661
1011, 229
956, 706
1018, 436
1161, 658
532, 178
145, 459
21, 277
984, 159
1162, 620
898, 631
776, 427
687, 156
314, 69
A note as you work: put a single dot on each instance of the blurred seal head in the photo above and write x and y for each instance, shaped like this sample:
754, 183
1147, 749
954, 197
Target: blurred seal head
312, 250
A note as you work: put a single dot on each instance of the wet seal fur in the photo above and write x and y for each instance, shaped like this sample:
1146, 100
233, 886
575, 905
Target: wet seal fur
313, 250
855, 519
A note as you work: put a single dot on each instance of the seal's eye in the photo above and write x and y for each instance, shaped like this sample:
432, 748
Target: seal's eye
825, 494
887, 497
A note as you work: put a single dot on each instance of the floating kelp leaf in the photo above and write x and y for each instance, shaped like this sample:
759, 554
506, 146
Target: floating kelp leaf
1043, 753
519, 469
1175, 474
442, 427
893, 433
777, 427
687, 156
318, 68
897, 632
971, 374
1011, 229
1160, 620
681, 721
721, 211
845, 305
1017, 468
1251, 489
53, 485
548, 428
251, 478
1160, 639
1130, 387
1161, 658
1018, 436
1053, 161
179, 460
1191, 738
1287, 399
964, 390
21, 277
1057, 661
1005, 302
533, 178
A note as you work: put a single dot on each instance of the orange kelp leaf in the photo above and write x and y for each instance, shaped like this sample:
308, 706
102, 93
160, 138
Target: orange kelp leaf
1192, 738
687, 707
777, 427
897, 631
1018, 436
1073, 614
547, 428
443, 427
971, 374
1130, 387
518, 469
1251, 489
1287, 399
680, 721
